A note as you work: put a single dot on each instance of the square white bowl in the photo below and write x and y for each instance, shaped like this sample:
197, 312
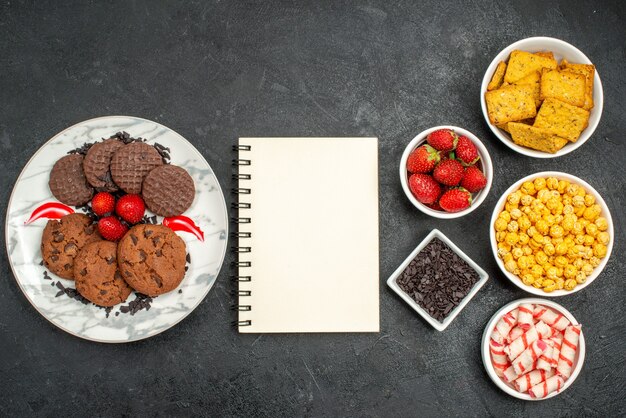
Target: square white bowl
439, 326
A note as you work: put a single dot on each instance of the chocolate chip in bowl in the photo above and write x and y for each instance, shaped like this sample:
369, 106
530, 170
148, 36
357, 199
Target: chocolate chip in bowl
437, 280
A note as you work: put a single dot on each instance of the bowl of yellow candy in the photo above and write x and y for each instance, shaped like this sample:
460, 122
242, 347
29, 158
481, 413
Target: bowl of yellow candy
551, 234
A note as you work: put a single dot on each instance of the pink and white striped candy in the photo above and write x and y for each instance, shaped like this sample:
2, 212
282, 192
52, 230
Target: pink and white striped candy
515, 333
527, 360
521, 343
544, 330
546, 360
498, 357
510, 374
525, 316
529, 380
543, 389
568, 351
555, 320
556, 350
506, 323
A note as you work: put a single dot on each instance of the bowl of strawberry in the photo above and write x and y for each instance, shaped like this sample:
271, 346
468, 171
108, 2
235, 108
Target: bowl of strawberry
446, 172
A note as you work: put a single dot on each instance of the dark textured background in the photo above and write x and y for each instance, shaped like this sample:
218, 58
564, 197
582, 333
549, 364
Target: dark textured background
218, 70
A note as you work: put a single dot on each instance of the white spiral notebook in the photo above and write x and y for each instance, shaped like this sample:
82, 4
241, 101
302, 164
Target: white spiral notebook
307, 239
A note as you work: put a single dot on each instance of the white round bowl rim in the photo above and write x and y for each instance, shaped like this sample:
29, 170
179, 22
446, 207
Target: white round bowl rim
598, 95
605, 213
486, 355
486, 163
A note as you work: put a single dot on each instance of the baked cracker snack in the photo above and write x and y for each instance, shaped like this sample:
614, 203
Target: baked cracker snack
536, 138
562, 119
511, 103
522, 63
545, 54
505, 126
566, 86
498, 76
533, 79
588, 70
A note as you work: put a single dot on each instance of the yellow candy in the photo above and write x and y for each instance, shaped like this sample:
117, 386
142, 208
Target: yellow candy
516, 213
552, 183
531, 231
536, 270
561, 248
594, 261
549, 286
544, 195
592, 212
570, 284
524, 262
568, 209
579, 263
527, 250
560, 261
560, 283
602, 237
599, 250
528, 279
589, 240
602, 223
523, 239
538, 238
578, 201
512, 226
517, 252
589, 200
509, 207
514, 198
500, 224
526, 200
505, 215
591, 229
511, 266
577, 228
511, 238
587, 269
580, 239
542, 226
539, 183
507, 257
528, 188
581, 277
533, 216
552, 273
541, 257
556, 231
569, 272
572, 190
548, 248
500, 235
580, 211
563, 186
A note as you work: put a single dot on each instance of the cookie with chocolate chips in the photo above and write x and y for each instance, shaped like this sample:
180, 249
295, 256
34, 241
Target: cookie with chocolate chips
151, 258
97, 277
62, 240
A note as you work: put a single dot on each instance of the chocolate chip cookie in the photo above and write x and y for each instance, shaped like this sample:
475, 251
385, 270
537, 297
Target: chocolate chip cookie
62, 240
68, 183
151, 259
96, 164
168, 190
131, 163
96, 274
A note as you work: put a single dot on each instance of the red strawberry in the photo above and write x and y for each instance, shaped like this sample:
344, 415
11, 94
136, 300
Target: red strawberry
103, 203
442, 140
473, 179
435, 206
455, 200
111, 228
448, 172
424, 188
466, 151
131, 208
422, 159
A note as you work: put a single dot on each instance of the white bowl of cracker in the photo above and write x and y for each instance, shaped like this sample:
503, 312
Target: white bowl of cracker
542, 97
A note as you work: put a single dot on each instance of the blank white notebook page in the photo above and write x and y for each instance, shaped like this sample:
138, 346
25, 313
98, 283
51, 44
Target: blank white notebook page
314, 235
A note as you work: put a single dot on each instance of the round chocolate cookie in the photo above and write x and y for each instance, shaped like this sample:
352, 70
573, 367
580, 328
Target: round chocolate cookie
131, 163
151, 259
67, 181
96, 164
168, 190
63, 239
96, 274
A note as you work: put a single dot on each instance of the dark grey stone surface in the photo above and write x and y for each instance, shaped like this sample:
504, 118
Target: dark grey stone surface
214, 71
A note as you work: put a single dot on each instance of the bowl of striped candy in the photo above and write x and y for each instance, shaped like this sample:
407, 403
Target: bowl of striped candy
533, 349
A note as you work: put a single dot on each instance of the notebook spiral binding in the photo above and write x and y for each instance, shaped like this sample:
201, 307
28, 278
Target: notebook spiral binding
239, 221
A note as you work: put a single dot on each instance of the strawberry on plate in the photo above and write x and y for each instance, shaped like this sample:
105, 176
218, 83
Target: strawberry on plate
448, 172
424, 188
111, 228
473, 179
131, 208
455, 200
466, 151
442, 139
422, 159
103, 203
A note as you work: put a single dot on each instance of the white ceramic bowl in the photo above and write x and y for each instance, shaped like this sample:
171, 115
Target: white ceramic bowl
579, 358
561, 49
439, 326
484, 163
561, 176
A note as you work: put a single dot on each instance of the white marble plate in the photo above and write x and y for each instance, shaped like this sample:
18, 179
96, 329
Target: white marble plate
87, 321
